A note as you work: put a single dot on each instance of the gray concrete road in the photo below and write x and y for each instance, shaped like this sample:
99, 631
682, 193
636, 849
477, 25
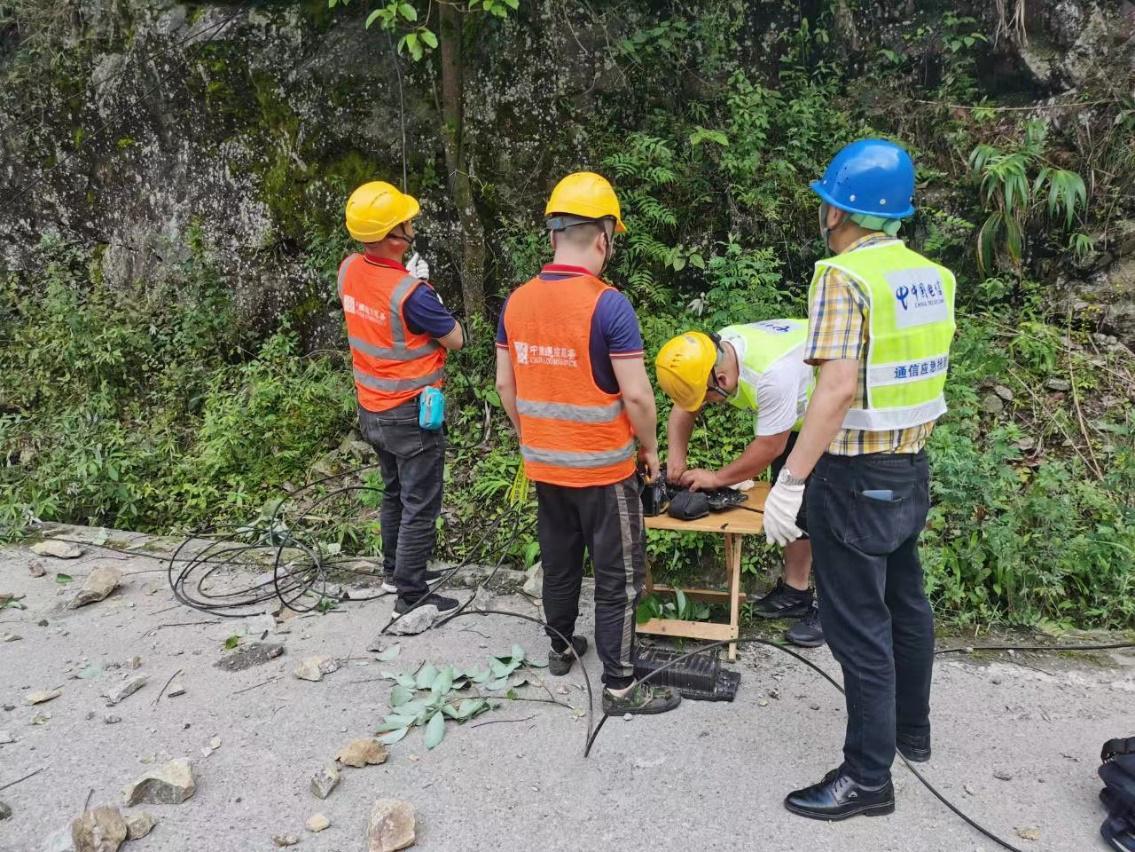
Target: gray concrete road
1016, 740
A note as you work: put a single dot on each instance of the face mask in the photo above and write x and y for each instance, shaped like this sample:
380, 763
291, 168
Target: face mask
608, 250
409, 241
825, 231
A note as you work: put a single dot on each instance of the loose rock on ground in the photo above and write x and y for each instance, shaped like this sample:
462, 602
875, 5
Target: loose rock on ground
139, 824
98, 585
362, 752
100, 829
128, 687
58, 549
40, 696
314, 668
391, 827
317, 823
324, 781
415, 621
170, 784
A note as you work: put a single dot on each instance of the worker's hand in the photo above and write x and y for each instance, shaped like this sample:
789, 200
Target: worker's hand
781, 509
649, 460
700, 479
674, 469
418, 267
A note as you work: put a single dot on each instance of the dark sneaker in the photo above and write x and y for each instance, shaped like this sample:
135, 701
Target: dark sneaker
560, 662
839, 797
807, 632
642, 698
784, 602
432, 579
443, 604
914, 747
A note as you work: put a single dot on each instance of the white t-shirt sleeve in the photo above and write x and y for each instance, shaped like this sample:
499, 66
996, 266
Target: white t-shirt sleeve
778, 397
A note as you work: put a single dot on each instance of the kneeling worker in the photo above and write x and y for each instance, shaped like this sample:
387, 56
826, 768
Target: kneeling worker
571, 376
399, 332
760, 368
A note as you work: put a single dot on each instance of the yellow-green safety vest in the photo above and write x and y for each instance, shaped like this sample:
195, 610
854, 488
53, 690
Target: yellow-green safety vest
911, 323
766, 343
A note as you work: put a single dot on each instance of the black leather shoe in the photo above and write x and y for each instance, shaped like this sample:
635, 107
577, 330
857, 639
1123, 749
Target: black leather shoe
839, 797
916, 749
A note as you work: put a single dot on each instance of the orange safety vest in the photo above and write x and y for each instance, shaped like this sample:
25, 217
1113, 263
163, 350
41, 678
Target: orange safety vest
572, 432
392, 364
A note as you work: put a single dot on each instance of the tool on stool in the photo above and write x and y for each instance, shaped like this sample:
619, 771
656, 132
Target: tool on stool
655, 496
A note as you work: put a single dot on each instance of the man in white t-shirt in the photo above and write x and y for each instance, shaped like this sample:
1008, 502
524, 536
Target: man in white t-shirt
758, 367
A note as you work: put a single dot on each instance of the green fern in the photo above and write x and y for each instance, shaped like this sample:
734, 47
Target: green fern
1012, 199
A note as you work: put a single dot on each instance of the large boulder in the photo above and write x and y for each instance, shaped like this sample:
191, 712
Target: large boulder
1065, 42
1107, 300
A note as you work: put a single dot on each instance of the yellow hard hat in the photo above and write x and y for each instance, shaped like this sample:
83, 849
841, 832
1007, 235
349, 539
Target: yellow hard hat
377, 208
588, 195
683, 366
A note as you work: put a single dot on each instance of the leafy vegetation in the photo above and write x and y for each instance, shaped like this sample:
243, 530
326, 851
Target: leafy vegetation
1013, 196
681, 607
450, 693
159, 409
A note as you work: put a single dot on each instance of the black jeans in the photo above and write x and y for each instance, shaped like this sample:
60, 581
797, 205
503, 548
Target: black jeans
608, 521
873, 607
412, 461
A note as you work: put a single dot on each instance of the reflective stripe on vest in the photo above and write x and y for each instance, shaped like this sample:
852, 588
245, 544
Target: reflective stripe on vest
391, 365
573, 433
395, 385
398, 328
577, 459
911, 324
574, 413
343, 267
766, 343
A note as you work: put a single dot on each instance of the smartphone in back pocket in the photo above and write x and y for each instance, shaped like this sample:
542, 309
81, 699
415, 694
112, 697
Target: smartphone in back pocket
884, 495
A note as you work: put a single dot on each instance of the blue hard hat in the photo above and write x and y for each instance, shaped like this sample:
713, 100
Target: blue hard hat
870, 176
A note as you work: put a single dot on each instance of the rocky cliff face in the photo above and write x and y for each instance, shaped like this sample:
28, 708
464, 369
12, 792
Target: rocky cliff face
145, 119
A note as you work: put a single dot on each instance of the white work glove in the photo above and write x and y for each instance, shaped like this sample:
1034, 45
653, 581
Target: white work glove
781, 509
418, 267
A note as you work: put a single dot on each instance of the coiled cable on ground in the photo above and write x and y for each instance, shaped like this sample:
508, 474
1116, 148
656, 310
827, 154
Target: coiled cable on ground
288, 542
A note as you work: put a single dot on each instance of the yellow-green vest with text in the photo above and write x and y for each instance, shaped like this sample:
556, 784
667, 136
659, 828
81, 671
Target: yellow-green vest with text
765, 343
911, 324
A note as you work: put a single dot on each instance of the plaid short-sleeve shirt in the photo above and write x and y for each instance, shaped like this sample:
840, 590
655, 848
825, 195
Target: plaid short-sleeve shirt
837, 330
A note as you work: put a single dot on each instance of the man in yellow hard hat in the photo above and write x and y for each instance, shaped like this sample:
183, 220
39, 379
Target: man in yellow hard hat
400, 333
571, 376
759, 368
